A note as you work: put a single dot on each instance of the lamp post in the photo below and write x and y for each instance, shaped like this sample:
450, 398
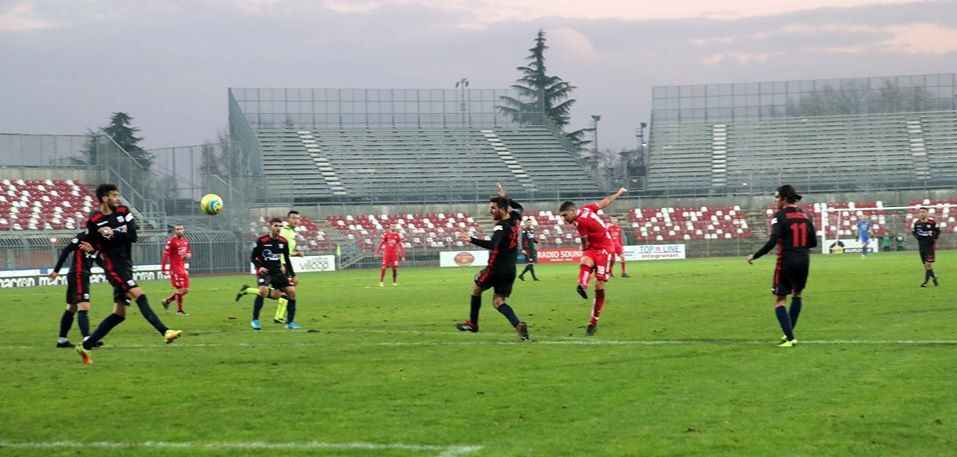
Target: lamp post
462, 84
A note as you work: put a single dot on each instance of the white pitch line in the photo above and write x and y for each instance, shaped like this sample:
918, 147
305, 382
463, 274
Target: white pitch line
557, 342
443, 451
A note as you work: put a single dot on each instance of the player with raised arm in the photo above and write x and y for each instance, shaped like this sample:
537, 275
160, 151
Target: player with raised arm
112, 231
926, 231
596, 249
499, 274
77, 287
274, 269
175, 255
391, 250
792, 232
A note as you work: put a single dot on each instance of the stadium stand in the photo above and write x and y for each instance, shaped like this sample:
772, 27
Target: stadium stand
675, 224
901, 149
43, 204
310, 236
430, 230
325, 163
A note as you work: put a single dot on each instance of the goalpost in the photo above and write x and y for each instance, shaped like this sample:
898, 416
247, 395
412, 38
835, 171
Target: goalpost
840, 224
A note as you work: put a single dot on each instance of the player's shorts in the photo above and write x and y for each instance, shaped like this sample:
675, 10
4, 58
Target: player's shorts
390, 261
927, 253
790, 274
531, 256
77, 288
499, 281
602, 261
120, 276
179, 279
619, 251
277, 280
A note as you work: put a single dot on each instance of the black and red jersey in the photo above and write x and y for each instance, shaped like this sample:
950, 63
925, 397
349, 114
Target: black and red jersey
119, 247
506, 240
792, 232
272, 254
926, 232
82, 261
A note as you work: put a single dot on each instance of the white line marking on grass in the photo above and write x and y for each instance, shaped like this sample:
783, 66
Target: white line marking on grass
443, 451
557, 342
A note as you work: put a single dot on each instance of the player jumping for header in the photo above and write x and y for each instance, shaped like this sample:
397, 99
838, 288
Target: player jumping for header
499, 275
596, 250
792, 232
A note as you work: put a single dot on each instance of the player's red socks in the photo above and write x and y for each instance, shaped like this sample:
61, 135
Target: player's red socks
179, 302
584, 275
598, 305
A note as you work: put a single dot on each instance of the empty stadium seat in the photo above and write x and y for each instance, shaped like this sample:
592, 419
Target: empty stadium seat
44, 205
429, 230
684, 224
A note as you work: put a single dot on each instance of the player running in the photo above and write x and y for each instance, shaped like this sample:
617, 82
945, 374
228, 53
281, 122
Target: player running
793, 233
289, 233
112, 231
530, 247
864, 234
391, 250
596, 248
77, 287
618, 248
926, 231
274, 269
175, 254
499, 274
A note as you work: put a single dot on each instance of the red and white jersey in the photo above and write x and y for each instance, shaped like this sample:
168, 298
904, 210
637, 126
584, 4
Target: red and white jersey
614, 231
592, 229
391, 244
175, 253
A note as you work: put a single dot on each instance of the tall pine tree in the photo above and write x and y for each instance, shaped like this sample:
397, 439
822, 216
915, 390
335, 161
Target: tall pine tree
124, 134
540, 92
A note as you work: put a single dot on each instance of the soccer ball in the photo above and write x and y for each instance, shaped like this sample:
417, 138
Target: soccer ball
211, 204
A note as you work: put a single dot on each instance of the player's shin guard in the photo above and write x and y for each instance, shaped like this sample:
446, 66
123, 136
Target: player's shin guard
101, 330
83, 321
257, 307
66, 321
785, 321
509, 314
144, 305
584, 275
475, 305
291, 311
794, 311
597, 306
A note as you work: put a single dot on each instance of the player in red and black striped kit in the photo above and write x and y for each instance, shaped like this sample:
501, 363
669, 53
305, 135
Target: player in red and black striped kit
499, 275
77, 287
792, 232
926, 231
112, 231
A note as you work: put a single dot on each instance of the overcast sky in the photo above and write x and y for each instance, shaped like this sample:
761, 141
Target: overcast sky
66, 65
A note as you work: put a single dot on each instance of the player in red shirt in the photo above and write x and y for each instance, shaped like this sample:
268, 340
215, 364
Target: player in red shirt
618, 248
175, 254
596, 248
392, 251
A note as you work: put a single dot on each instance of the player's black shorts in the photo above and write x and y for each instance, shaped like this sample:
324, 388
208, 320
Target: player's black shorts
531, 256
77, 288
790, 274
499, 281
927, 253
275, 279
120, 275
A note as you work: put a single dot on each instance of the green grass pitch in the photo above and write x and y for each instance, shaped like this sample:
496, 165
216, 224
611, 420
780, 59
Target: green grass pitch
684, 364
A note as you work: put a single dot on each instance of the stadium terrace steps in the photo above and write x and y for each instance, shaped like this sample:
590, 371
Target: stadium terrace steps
825, 150
332, 162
